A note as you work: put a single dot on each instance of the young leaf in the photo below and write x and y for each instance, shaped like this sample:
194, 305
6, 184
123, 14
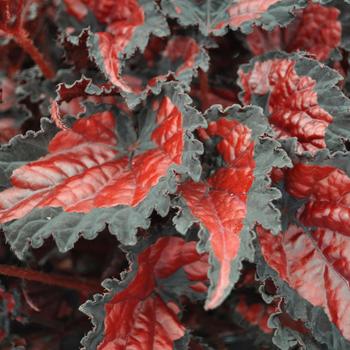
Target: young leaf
300, 97
229, 202
133, 313
213, 17
102, 171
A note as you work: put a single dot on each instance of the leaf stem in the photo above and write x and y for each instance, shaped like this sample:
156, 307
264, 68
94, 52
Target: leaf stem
68, 282
21, 36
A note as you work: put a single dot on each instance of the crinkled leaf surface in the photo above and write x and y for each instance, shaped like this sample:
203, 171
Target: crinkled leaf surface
15, 154
315, 262
228, 202
316, 29
213, 16
300, 97
102, 171
177, 58
133, 314
130, 24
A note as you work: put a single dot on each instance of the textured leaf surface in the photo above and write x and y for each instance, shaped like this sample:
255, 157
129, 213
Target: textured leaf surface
305, 261
15, 153
326, 189
213, 16
315, 262
103, 163
177, 58
134, 314
220, 202
301, 99
316, 30
130, 24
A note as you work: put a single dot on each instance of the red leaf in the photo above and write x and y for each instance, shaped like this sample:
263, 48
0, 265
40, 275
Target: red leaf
316, 263
84, 170
137, 317
327, 190
293, 106
316, 30
316, 266
220, 202
248, 10
184, 48
116, 14
122, 18
110, 48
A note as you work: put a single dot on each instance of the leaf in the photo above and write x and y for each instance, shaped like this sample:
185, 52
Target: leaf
298, 258
343, 7
316, 30
326, 189
124, 34
177, 58
133, 313
315, 261
214, 16
300, 97
102, 171
15, 153
233, 196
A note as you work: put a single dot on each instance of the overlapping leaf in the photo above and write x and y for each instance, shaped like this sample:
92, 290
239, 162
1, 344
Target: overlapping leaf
300, 97
177, 58
128, 27
213, 17
315, 261
133, 314
180, 56
234, 196
343, 7
316, 30
100, 171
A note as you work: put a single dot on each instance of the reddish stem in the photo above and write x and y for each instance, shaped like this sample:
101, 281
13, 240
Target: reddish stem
22, 38
83, 286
